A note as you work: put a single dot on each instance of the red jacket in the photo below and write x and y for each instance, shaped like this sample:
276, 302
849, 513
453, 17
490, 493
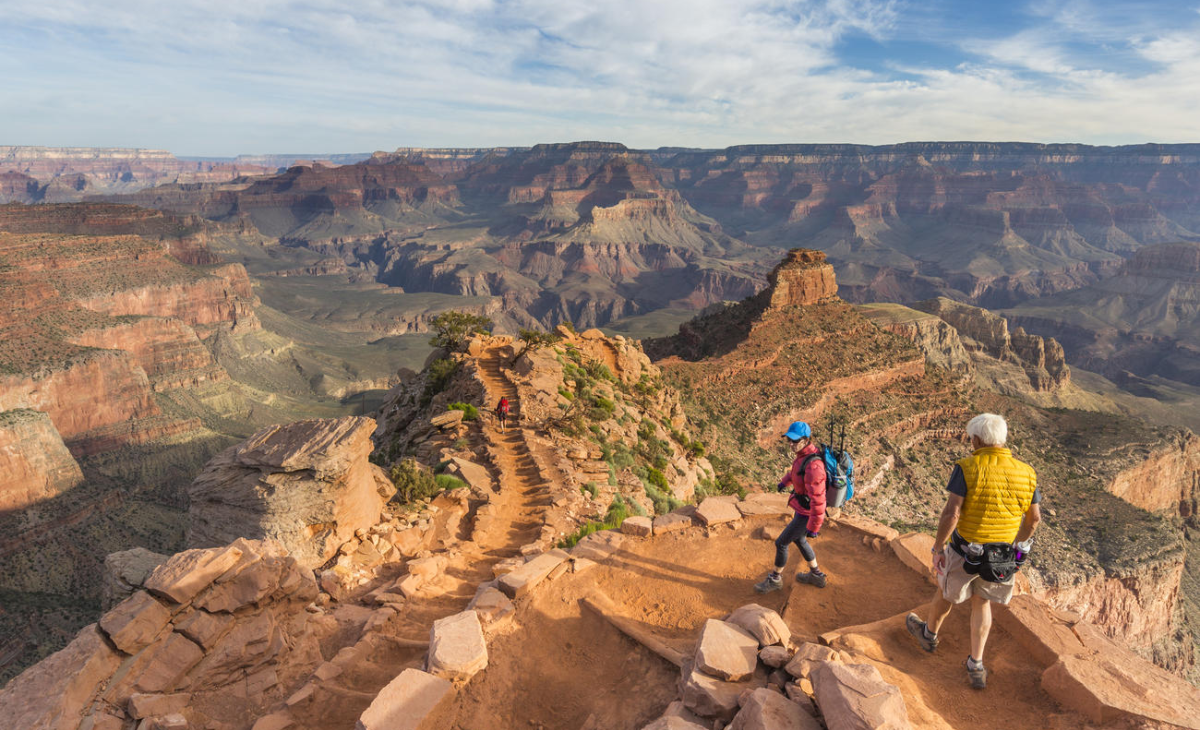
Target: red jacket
813, 484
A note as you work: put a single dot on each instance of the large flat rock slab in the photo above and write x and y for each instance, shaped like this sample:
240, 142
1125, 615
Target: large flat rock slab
717, 511
726, 651
415, 700
856, 697
765, 709
191, 571
135, 622
525, 578
765, 504
763, 624
457, 649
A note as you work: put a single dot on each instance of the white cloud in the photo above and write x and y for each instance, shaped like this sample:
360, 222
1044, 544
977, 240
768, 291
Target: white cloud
324, 75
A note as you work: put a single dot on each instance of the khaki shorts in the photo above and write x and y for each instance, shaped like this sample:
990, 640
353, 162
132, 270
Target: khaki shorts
957, 585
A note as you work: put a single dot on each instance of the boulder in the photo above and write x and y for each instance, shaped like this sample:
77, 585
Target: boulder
457, 649
726, 651
765, 504
807, 657
525, 578
673, 722
493, 607
414, 700
855, 697
598, 546
711, 697
476, 476
125, 572
764, 624
187, 573
672, 522
774, 656
716, 511
144, 705
307, 484
135, 622
765, 709
447, 420
638, 526
60, 686
913, 550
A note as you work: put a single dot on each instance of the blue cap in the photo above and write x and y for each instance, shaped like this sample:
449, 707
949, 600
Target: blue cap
798, 430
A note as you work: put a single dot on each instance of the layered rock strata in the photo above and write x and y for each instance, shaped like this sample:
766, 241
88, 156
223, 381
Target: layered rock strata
307, 485
35, 464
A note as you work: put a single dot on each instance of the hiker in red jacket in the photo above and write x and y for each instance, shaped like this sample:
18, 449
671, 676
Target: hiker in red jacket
502, 412
807, 480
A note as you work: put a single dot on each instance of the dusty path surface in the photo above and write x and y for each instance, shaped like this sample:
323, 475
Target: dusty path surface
517, 508
565, 667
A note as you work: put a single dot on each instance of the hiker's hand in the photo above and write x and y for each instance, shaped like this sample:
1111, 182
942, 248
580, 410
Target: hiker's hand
939, 562
779, 487
810, 533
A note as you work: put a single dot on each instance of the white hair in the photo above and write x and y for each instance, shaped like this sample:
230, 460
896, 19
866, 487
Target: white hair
989, 428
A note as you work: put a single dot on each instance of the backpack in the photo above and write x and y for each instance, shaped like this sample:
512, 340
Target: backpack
503, 407
839, 474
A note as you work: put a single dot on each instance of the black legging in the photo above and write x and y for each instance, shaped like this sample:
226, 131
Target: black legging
794, 532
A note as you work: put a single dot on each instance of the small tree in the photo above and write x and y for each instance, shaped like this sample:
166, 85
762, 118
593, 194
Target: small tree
535, 340
452, 329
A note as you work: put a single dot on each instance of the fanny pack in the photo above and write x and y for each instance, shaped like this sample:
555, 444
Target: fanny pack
996, 562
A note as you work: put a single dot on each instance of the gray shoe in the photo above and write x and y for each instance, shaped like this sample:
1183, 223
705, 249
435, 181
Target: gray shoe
978, 677
811, 578
768, 584
918, 628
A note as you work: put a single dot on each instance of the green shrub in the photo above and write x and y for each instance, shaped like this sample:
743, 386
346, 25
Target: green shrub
590, 489
616, 514
413, 481
437, 378
447, 482
470, 412
566, 394
452, 329
461, 443
602, 408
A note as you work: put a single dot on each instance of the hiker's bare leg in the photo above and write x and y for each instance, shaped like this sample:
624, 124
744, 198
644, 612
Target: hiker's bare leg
981, 625
939, 609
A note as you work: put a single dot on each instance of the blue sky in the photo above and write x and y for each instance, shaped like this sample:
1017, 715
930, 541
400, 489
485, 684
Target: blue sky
224, 77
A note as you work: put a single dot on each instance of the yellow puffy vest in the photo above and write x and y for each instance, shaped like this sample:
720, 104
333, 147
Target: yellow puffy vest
999, 492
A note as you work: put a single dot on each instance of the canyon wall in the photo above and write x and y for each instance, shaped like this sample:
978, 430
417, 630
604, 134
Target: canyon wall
35, 464
1168, 481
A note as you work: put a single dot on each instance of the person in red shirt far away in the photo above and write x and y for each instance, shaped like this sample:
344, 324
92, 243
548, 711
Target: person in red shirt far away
502, 412
807, 480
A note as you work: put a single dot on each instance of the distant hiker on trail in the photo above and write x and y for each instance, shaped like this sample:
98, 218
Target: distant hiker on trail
989, 519
502, 412
806, 477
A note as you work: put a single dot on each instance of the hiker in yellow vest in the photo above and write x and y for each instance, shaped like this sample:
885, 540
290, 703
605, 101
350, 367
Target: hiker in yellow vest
989, 519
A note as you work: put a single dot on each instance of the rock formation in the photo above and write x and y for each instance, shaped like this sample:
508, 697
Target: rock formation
35, 465
307, 485
1042, 360
935, 336
802, 278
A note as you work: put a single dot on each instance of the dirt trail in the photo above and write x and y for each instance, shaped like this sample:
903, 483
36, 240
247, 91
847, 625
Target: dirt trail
517, 508
565, 667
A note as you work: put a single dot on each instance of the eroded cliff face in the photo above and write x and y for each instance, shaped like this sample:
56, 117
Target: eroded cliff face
1042, 360
307, 485
802, 278
1168, 481
35, 464
935, 336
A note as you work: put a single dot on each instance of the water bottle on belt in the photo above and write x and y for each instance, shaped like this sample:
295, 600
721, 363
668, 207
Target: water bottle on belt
974, 550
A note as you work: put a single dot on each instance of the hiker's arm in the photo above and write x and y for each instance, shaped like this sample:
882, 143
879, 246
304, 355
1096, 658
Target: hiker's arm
1032, 517
815, 482
948, 520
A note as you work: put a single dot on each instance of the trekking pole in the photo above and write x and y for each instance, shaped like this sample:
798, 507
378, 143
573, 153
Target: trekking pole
842, 439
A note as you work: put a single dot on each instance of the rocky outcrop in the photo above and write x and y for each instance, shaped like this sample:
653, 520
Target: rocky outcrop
307, 485
802, 278
1167, 481
212, 634
35, 465
224, 297
168, 350
935, 336
1042, 360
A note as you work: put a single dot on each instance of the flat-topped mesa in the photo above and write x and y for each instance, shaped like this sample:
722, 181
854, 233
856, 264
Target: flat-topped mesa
803, 278
1043, 360
307, 485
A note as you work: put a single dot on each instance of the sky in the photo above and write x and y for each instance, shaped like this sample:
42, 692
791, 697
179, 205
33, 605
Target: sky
224, 77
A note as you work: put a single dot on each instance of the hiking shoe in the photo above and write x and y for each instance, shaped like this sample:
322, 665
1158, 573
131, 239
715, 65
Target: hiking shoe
772, 582
812, 578
920, 632
978, 676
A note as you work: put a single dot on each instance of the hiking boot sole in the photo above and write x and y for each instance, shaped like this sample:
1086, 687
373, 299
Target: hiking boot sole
916, 627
